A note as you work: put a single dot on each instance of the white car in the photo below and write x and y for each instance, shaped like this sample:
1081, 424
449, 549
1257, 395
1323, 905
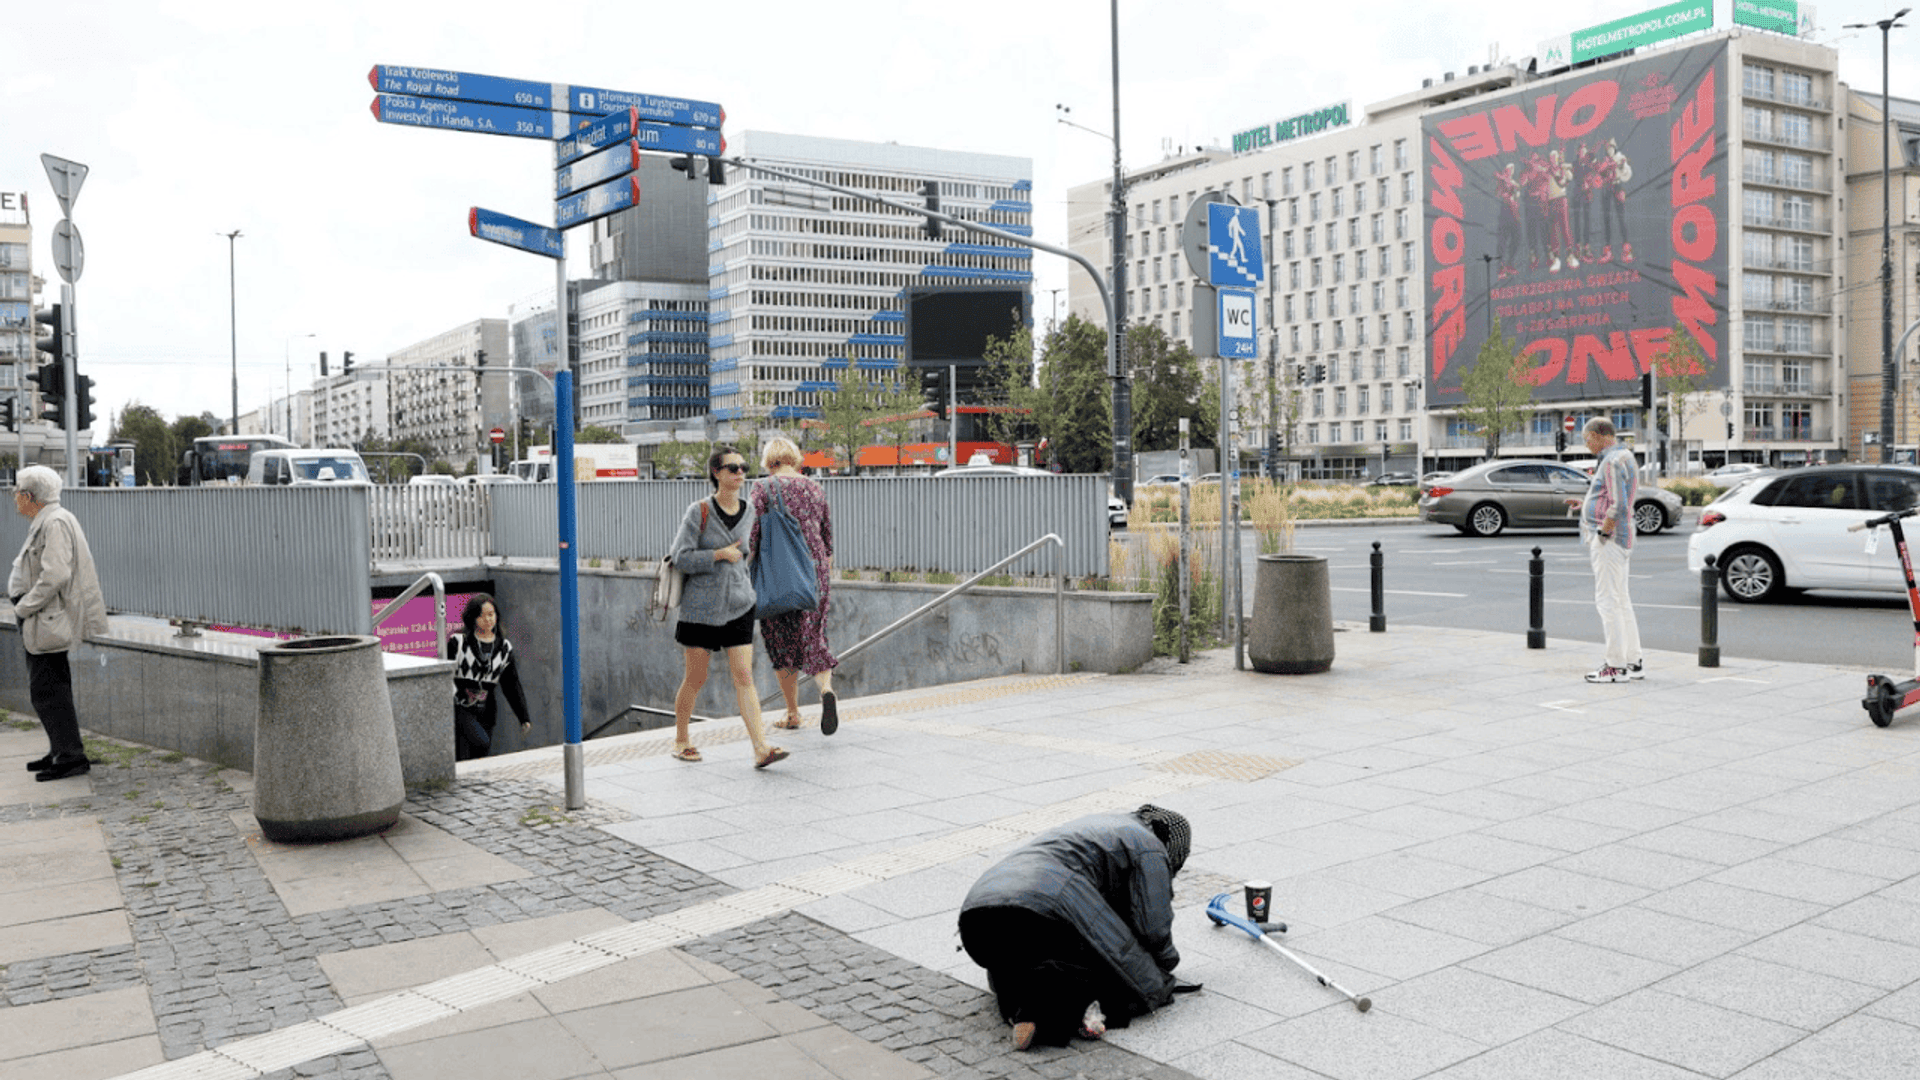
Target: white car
432, 480
1116, 507
1739, 472
1789, 531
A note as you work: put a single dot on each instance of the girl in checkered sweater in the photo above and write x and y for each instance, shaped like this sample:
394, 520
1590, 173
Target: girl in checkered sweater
482, 663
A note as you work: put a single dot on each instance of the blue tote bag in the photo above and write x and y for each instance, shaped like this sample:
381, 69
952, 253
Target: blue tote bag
783, 574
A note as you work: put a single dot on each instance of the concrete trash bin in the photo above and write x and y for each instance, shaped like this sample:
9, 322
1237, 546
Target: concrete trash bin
1291, 632
326, 760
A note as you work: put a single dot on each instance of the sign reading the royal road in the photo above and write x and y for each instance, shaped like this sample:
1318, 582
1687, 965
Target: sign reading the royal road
1235, 258
528, 94
596, 203
630, 124
515, 233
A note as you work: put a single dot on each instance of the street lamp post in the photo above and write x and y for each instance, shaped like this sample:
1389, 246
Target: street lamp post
1887, 373
233, 326
287, 356
1414, 387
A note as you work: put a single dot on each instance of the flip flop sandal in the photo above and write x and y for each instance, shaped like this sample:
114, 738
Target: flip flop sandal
791, 723
829, 713
773, 754
687, 753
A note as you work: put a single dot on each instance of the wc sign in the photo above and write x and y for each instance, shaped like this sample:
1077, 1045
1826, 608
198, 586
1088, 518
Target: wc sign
1237, 340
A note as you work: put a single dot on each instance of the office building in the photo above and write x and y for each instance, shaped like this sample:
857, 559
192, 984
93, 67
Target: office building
439, 392
1866, 218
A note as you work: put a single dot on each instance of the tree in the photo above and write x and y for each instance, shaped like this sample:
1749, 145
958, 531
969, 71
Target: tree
1007, 381
1683, 375
156, 450
594, 433
1498, 388
842, 427
673, 457
1073, 398
1169, 383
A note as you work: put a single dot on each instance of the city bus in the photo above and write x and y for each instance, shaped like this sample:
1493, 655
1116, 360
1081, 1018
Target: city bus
223, 459
110, 465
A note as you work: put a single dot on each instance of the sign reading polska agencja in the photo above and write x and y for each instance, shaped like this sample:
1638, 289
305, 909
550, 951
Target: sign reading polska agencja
529, 94
1307, 123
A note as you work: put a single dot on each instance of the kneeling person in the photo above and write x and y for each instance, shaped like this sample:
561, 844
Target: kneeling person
1081, 915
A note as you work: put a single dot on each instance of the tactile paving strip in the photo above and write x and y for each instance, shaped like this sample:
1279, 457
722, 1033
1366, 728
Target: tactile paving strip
1220, 765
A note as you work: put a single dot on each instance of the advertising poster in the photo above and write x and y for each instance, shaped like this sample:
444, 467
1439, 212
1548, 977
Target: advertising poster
1588, 214
409, 631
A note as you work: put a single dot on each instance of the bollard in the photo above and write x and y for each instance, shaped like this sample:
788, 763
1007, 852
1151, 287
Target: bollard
1709, 615
1378, 623
1536, 602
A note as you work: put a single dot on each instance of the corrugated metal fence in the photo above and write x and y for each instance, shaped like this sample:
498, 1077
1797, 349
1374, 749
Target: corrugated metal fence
292, 558
920, 523
301, 558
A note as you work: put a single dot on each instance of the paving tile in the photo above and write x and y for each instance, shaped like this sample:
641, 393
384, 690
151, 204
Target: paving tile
1197, 1021
1474, 1006
1546, 1055
1890, 862
1735, 908
1560, 833
1236, 1061
32, 905
1801, 881
1480, 916
536, 1049
1479, 851
1704, 845
95, 1061
1342, 1043
1388, 947
1570, 968
1562, 890
1408, 875
60, 936
1655, 935
69, 1023
678, 1024
1841, 955
1772, 992
1690, 1034
1862, 1048
385, 969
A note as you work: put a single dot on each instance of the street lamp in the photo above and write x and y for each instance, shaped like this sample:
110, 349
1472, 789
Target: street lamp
233, 325
1887, 374
287, 355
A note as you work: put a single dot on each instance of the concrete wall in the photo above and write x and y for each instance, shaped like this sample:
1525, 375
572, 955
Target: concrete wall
627, 659
201, 696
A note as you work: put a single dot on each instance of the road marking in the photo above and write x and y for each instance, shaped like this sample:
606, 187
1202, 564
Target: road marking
1637, 605
1408, 592
1470, 562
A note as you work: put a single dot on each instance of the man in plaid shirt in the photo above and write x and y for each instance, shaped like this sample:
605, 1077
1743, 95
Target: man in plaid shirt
1606, 527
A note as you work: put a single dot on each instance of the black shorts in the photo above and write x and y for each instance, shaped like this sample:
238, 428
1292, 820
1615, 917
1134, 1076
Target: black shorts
695, 635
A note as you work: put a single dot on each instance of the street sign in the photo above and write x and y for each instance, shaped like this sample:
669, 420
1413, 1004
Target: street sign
69, 255
515, 233
498, 435
1235, 256
630, 124
596, 203
66, 178
528, 94
1567, 424
615, 161
465, 116
1237, 339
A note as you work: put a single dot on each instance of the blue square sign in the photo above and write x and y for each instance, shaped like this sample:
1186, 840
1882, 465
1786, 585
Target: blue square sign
1238, 340
1235, 256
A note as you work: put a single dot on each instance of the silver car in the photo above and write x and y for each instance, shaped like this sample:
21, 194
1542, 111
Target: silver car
1522, 493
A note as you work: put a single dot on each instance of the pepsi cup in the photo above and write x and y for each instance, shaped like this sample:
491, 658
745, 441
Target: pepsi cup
1259, 901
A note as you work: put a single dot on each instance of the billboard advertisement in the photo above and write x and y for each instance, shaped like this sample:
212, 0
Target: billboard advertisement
1588, 214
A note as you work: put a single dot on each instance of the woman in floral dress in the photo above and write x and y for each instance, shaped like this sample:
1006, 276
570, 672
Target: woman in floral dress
797, 641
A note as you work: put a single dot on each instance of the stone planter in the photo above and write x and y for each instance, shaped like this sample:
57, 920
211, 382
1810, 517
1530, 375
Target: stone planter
1291, 630
326, 761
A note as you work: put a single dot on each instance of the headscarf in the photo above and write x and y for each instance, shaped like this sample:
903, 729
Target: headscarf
1172, 830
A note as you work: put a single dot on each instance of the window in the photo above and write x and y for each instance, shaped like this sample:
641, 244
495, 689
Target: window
1312, 245
1796, 129
1286, 180
1246, 190
1402, 361
1156, 211
1163, 241
1756, 81
1796, 376
1406, 187
1313, 430
1293, 339
1319, 403
1339, 334
1156, 268
1340, 401
1293, 211
1293, 275
1796, 88
1400, 293
1758, 122
1399, 153
1333, 235
1757, 375
1759, 206
1386, 329
1796, 212
1375, 159
1756, 289
1353, 164
1380, 364
1757, 249
1406, 431
1759, 334
1386, 397
1333, 170
1316, 338
1400, 219
1758, 165
1359, 431
1379, 223
1406, 325
1306, 176
1313, 207
1339, 268
1176, 324
1353, 299
1379, 288
1796, 170
1796, 335
1359, 197
1406, 257
1315, 275
1335, 200
1312, 307
1163, 298
1360, 401
1287, 304
1360, 265
1266, 185
1286, 244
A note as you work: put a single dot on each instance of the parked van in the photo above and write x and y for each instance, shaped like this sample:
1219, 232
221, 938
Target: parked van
307, 467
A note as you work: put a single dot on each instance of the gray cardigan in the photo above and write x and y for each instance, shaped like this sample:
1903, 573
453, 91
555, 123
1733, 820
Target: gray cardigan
715, 593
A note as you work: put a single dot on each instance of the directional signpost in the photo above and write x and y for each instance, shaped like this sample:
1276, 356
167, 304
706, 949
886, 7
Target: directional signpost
69, 257
598, 137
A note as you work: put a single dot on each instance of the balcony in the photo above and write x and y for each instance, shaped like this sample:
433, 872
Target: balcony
1769, 179
1798, 223
1812, 140
1813, 304
1787, 387
1788, 348
1799, 433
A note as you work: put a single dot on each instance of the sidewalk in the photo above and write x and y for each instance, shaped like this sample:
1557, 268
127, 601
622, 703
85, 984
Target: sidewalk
1711, 873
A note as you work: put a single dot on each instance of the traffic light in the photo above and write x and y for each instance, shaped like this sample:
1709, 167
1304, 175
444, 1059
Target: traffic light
684, 163
716, 171
1646, 390
1560, 441
323, 365
1319, 373
930, 190
82, 401
51, 378
933, 385
6, 414
346, 363
1729, 429
1300, 374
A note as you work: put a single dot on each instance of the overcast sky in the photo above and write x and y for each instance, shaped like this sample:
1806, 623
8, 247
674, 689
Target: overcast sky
198, 118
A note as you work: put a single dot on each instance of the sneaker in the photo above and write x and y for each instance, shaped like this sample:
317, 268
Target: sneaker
1608, 674
1637, 669
1023, 1033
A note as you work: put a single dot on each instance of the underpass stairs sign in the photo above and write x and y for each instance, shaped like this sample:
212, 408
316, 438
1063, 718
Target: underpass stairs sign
1235, 256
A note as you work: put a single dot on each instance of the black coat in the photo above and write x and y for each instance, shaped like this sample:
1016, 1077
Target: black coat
1107, 878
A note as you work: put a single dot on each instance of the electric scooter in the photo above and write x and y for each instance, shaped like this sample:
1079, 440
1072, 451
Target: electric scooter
1885, 696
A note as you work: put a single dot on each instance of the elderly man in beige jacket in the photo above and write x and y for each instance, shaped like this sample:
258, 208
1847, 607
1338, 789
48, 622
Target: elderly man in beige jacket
56, 597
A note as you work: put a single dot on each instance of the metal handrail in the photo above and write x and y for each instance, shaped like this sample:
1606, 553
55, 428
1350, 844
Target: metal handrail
1059, 622
439, 608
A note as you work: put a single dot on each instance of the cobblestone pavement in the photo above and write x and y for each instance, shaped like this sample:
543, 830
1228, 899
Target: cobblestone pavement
221, 957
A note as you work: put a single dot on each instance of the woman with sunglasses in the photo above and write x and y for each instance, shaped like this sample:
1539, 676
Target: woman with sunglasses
716, 603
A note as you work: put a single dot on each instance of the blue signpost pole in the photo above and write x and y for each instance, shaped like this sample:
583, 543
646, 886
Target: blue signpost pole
573, 755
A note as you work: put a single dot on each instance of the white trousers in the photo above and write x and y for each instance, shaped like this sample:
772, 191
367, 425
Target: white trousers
1610, 597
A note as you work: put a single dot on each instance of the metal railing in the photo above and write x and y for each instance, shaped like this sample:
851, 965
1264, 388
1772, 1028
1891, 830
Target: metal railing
412, 521
439, 608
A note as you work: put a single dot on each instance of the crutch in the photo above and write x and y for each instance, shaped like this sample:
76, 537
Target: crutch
1217, 911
